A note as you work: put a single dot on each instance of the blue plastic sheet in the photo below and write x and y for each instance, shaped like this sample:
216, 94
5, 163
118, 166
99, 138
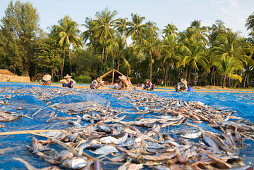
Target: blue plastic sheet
25, 96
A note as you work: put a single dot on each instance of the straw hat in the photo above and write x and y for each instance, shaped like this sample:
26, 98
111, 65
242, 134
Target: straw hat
67, 76
183, 81
122, 77
46, 77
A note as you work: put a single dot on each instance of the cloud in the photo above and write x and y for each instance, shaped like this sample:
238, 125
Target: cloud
232, 12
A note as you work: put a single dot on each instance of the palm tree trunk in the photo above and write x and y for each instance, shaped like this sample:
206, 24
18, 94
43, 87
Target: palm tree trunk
70, 58
214, 78
113, 62
102, 56
52, 72
62, 66
186, 72
118, 62
151, 67
224, 81
165, 76
244, 82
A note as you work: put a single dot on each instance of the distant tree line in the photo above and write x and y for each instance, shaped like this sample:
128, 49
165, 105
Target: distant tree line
212, 55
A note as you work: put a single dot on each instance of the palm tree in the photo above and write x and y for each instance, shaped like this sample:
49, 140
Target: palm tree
89, 34
112, 47
229, 45
193, 51
169, 53
68, 34
170, 30
104, 24
193, 54
230, 49
121, 37
228, 67
250, 22
214, 31
135, 28
149, 45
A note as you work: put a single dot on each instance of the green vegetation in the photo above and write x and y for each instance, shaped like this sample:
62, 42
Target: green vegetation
213, 55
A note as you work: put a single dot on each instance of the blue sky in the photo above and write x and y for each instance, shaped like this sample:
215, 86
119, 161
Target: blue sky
178, 12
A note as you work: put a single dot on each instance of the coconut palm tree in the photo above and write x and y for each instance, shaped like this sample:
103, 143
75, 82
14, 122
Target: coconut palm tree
104, 24
193, 51
121, 37
193, 54
214, 31
228, 67
112, 48
89, 34
67, 33
149, 45
170, 30
250, 22
230, 48
229, 45
135, 28
169, 51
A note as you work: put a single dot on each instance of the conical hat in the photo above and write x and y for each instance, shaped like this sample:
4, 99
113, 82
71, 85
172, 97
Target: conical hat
122, 77
67, 76
183, 81
46, 77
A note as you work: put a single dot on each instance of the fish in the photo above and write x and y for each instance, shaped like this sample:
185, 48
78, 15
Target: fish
75, 163
192, 135
219, 162
64, 154
110, 139
210, 141
104, 128
37, 146
105, 150
97, 165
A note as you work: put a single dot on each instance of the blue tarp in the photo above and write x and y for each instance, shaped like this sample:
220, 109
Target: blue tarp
24, 99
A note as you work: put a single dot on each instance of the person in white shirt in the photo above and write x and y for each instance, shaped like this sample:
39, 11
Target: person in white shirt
181, 86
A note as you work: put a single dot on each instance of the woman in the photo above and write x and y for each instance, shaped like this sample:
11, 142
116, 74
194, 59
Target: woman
181, 86
96, 83
68, 82
46, 80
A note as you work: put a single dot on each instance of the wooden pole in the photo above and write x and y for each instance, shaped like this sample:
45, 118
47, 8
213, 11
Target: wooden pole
113, 74
28, 132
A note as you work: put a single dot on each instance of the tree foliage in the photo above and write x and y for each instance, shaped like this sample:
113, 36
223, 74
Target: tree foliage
204, 55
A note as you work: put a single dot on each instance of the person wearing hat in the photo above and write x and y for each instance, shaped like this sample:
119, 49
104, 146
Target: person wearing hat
124, 83
96, 83
46, 80
67, 81
181, 86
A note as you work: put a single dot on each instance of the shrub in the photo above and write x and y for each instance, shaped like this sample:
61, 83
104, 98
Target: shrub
83, 79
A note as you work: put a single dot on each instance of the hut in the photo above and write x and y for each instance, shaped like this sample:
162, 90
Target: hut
6, 75
112, 77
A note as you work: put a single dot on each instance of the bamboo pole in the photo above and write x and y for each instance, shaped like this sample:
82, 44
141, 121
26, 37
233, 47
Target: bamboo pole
28, 132
72, 150
113, 74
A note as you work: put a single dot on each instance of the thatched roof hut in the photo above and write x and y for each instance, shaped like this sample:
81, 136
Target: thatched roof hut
112, 76
6, 72
6, 75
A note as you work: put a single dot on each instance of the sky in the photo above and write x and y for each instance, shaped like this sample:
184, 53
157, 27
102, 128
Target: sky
178, 12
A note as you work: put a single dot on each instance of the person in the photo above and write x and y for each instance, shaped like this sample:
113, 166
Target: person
142, 86
96, 83
181, 86
149, 86
67, 81
125, 83
46, 80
